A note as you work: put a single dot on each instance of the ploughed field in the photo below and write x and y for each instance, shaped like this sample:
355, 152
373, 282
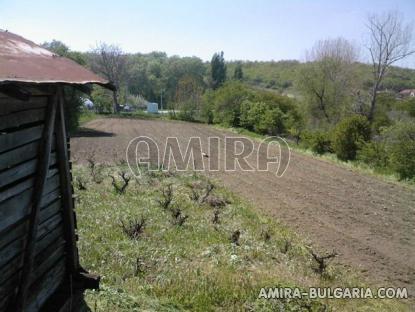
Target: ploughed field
369, 222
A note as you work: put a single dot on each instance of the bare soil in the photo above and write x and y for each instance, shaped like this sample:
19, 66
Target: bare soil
370, 222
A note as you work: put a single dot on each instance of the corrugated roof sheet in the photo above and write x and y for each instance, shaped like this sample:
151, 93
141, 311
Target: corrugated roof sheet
22, 60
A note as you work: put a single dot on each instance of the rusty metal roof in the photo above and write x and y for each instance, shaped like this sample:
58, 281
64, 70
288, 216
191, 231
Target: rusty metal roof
22, 60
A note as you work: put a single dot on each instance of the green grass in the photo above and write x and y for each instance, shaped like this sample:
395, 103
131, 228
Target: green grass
195, 267
87, 116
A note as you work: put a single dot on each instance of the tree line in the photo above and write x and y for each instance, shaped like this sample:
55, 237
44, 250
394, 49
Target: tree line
331, 103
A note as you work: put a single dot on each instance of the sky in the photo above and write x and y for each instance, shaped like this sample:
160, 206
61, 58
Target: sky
244, 29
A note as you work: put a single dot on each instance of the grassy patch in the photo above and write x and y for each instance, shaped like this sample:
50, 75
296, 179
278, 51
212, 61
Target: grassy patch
196, 265
87, 116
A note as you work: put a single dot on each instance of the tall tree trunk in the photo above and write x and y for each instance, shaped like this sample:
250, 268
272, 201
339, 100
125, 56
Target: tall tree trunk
115, 104
373, 102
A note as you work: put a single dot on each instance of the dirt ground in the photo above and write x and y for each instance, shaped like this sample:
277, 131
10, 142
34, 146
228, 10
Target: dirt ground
370, 223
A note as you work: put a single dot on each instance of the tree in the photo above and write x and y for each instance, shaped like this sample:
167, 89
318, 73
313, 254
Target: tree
389, 42
73, 102
218, 70
102, 100
57, 47
400, 148
110, 61
238, 74
326, 79
188, 97
350, 135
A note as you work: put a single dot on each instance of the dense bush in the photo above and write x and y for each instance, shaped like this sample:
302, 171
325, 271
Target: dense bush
73, 108
225, 103
400, 147
102, 99
237, 105
374, 154
349, 136
409, 106
262, 118
318, 141
380, 121
187, 111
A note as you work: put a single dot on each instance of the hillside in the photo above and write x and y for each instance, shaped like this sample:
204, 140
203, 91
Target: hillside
282, 75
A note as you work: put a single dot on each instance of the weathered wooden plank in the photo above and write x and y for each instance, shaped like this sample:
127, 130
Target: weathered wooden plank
47, 239
66, 187
11, 251
12, 140
10, 268
51, 196
7, 291
48, 225
10, 105
16, 208
47, 258
42, 171
14, 233
43, 288
19, 155
51, 209
39, 292
49, 221
21, 118
26, 184
42, 246
21, 171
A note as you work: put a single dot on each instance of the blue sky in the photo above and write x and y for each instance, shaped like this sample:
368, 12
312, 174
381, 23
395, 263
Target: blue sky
247, 30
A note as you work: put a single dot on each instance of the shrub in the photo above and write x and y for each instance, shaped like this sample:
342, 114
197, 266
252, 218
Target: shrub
226, 102
380, 122
235, 104
400, 147
374, 154
262, 117
73, 108
102, 100
187, 111
349, 135
407, 105
319, 142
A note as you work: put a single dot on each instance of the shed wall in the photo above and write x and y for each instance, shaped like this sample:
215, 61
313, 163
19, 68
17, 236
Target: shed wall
21, 128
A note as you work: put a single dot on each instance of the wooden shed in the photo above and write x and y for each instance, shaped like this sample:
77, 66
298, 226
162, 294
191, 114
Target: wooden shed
39, 265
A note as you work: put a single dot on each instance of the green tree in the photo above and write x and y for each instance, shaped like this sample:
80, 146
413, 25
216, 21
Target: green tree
218, 70
226, 102
262, 117
110, 61
188, 97
326, 80
390, 41
238, 73
102, 100
400, 147
349, 136
73, 97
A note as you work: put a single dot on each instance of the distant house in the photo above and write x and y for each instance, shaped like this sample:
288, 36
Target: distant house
407, 93
152, 108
